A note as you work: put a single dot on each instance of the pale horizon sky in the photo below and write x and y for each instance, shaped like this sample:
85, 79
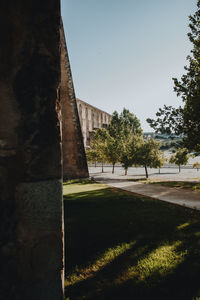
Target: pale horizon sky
125, 53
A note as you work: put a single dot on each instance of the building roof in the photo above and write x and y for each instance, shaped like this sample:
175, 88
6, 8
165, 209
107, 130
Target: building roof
94, 107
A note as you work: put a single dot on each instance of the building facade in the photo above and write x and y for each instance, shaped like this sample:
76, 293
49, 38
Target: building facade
91, 118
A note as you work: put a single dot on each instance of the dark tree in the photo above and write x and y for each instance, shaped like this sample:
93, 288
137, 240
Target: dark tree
185, 120
169, 120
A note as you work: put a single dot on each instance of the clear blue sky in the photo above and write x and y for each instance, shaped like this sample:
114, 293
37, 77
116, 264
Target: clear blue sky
124, 53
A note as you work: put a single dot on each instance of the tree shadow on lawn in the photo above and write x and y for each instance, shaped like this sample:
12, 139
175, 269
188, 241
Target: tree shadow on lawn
109, 180
123, 247
190, 185
100, 172
164, 173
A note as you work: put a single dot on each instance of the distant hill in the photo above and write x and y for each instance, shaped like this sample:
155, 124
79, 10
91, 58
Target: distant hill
168, 141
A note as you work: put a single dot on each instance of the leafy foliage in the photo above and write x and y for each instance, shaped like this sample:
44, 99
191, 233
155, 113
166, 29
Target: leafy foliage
149, 155
126, 130
189, 85
124, 124
196, 165
169, 121
92, 155
117, 143
105, 147
99, 145
123, 143
185, 120
112, 150
180, 158
129, 151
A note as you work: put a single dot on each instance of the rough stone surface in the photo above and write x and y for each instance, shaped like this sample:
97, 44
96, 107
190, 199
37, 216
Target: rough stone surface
74, 159
31, 245
30, 205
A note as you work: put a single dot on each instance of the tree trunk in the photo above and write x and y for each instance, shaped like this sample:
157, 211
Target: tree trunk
102, 170
126, 170
159, 170
179, 168
95, 164
146, 172
113, 168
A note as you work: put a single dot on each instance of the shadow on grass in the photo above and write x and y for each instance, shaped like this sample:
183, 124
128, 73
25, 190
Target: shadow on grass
191, 185
119, 246
164, 173
109, 180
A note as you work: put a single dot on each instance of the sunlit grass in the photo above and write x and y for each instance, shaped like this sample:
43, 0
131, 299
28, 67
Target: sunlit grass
195, 186
182, 226
79, 186
156, 264
121, 246
110, 255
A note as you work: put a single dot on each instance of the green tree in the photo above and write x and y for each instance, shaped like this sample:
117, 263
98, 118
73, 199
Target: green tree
130, 123
99, 145
189, 86
169, 120
180, 158
186, 119
124, 124
129, 151
116, 143
115, 125
196, 165
113, 150
122, 131
92, 156
149, 155
106, 147
124, 128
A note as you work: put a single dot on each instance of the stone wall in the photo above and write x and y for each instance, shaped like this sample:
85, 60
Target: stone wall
31, 245
74, 158
91, 118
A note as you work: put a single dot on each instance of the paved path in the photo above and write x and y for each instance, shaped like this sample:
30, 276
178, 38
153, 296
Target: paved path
173, 195
135, 173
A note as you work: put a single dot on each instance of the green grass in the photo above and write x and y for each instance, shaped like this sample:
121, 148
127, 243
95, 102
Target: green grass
119, 246
195, 186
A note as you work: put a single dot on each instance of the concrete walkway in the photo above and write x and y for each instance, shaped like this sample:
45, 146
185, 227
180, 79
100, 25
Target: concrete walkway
181, 197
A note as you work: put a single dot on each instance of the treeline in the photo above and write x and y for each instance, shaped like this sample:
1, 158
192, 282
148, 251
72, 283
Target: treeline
122, 142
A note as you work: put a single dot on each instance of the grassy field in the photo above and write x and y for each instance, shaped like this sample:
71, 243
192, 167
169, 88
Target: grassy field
195, 186
119, 246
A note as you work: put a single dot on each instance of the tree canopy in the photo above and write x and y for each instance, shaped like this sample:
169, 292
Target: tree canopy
180, 158
99, 145
149, 155
129, 150
169, 120
196, 165
125, 128
123, 142
92, 156
117, 143
123, 124
185, 119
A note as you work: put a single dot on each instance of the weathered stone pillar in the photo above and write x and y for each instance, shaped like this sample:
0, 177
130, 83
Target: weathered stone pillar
31, 231
74, 159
